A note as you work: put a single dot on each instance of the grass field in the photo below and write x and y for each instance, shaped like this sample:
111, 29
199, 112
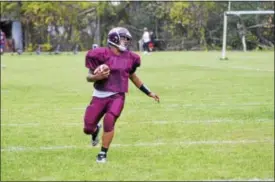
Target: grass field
215, 120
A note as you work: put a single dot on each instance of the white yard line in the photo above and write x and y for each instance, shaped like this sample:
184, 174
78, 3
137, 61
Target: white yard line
4, 90
204, 105
246, 68
220, 104
149, 144
167, 105
251, 179
33, 124
22, 124
235, 67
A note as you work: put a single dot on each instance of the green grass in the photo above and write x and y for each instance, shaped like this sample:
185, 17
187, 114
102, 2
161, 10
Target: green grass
215, 119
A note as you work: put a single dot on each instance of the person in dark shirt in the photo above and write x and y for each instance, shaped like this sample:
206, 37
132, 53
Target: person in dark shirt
2, 42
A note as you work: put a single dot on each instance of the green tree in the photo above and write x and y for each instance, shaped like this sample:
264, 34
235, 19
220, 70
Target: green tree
194, 16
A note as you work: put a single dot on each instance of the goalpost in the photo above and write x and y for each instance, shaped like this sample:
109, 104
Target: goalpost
237, 13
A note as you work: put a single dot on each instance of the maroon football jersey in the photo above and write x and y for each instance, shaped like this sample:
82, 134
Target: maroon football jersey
121, 66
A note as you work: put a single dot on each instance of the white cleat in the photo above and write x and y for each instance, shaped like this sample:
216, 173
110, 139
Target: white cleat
101, 157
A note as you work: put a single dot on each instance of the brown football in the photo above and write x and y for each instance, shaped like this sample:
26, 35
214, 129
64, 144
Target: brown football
101, 68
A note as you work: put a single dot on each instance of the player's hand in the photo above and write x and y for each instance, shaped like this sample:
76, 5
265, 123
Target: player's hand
102, 75
154, 96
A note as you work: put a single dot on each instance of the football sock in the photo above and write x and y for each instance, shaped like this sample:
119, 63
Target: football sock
105, 150
95, 133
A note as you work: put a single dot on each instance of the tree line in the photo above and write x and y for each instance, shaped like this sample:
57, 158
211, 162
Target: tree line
180, 25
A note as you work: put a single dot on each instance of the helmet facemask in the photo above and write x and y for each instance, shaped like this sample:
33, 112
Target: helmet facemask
124, 42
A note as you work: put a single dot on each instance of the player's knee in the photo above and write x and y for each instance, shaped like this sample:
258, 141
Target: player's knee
90, 121
109, 122
89, 127
87, 131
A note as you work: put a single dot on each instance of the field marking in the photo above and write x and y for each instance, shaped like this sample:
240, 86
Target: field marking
203, 105
136, 122
150, 144
221, 104
246, 68
216, 95
168, 105
235, 67
252, 179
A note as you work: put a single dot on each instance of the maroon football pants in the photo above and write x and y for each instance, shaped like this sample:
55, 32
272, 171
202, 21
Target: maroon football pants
111, 107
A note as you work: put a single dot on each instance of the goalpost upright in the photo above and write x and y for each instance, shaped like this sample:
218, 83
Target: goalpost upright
236, 13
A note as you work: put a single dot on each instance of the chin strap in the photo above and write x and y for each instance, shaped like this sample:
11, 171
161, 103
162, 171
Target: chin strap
122, 48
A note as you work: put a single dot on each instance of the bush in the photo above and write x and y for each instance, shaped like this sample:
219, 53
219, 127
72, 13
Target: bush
46, 47
30, 48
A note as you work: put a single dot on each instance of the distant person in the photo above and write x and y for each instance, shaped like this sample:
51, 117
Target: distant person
146, 40
2, 41
10, 43
152, 42
152, 36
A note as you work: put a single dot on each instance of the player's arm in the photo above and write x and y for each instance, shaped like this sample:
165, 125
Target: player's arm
136, 81
92, 61
91, 77
139, 84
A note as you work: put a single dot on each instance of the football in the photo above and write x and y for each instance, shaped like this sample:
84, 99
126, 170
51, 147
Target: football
101, 68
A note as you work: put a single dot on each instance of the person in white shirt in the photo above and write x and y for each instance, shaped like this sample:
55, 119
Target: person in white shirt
146, 40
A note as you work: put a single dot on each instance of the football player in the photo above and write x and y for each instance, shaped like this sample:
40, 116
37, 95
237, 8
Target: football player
110, 86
